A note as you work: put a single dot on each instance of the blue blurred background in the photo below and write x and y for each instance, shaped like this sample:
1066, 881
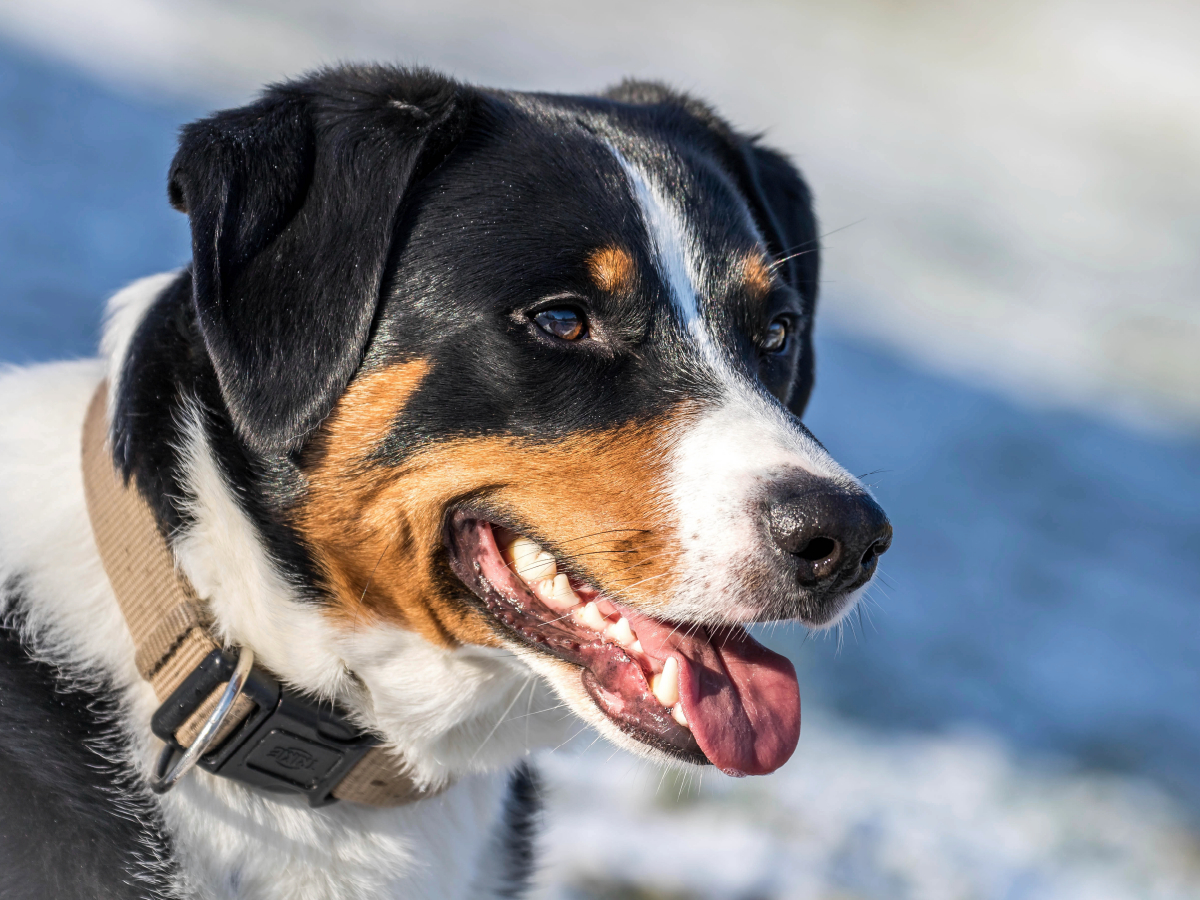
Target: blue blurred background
1042, 589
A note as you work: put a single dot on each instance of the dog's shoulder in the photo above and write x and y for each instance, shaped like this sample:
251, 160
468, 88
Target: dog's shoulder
74, 822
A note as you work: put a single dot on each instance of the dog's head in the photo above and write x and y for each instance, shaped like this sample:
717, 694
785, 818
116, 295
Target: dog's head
524, 372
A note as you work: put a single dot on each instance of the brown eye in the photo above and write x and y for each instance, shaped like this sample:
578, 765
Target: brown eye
776, 337
562, 322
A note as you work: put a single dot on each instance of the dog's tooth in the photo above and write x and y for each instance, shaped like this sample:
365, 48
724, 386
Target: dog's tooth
557, 593
678, 716
636, 647
543, 590
530, 561
665, 684
620, 633
589, 616
506, 549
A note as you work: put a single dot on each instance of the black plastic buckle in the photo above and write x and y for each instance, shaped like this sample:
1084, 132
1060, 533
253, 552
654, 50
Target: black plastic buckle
288, 745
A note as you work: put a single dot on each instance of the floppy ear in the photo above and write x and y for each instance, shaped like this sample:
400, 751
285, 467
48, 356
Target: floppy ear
293, 202
779, 201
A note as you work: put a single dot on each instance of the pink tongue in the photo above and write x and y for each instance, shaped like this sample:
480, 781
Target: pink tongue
741, 700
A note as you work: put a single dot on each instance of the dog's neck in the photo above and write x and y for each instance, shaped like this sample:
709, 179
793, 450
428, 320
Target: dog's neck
221, 505
447, 712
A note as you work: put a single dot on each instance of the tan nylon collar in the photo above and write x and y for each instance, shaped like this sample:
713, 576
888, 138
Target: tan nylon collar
169, 623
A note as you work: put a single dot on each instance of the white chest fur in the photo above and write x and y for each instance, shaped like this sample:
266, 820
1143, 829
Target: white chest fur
231, 842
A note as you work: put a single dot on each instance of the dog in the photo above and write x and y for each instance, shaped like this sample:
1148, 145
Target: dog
470, 405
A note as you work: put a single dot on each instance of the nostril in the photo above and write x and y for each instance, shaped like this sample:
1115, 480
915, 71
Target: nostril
818, 548
871, 555
878, 547
823, 555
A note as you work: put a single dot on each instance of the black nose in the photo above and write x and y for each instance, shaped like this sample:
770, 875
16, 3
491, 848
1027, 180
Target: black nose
834, 533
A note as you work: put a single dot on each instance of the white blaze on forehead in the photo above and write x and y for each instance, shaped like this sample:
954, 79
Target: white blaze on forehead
748, 429
725, 458
674, 252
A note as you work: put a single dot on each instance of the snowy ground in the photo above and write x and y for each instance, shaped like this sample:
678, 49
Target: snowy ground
857, 814
1029, 180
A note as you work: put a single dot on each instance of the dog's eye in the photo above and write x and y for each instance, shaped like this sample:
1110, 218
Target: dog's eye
776, 337
562, 322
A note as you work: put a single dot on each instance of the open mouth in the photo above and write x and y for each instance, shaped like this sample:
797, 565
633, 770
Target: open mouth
701, 694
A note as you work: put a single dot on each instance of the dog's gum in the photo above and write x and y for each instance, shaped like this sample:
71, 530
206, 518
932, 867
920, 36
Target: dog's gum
538, 569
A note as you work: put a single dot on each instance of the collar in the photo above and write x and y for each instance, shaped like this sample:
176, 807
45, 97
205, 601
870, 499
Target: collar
218, 709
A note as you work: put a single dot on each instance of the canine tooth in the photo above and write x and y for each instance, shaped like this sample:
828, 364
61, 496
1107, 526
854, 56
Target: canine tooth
620, 633
665, 684
678, 716
590, 617
530, 561
557, 594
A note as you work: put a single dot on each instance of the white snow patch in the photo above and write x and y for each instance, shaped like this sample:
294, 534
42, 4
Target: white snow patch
864, 815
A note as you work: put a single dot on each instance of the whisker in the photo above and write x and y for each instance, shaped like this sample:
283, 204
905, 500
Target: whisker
822, 237
370, 578
500, 721
644, 580
643, 562
779, 262
571, 738
528, 707
539, 712
661, 779
598, 553
584, 537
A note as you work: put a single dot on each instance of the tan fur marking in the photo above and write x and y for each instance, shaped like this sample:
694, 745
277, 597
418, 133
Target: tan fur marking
377, 531
611, 268
757, 274
367, 410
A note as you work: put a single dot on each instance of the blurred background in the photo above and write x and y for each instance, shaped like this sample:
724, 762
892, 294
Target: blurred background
1008, 340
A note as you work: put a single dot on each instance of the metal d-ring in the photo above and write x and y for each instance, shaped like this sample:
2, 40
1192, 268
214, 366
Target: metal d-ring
160, 783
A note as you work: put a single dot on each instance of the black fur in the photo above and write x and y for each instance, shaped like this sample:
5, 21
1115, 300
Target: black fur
518, 832
778, 197
75, 819
361, 217
168, 362
292, 203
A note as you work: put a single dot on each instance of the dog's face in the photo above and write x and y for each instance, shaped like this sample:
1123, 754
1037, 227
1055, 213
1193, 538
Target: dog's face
536, 365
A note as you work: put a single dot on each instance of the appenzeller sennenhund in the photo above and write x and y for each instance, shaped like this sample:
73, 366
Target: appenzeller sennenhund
469, 406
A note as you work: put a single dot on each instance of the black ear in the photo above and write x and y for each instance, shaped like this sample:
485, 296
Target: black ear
293, 202
779, 200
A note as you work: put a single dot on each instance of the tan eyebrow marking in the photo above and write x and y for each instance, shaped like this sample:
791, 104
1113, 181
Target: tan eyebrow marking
611, 268
756, 274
